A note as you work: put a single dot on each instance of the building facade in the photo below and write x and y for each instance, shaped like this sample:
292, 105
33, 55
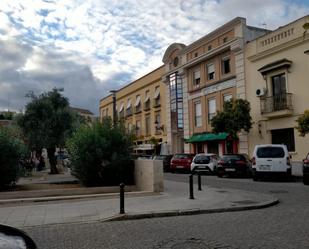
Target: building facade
141, 105
277, 73
199, 78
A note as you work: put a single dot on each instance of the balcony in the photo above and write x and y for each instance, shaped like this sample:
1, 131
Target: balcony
277, 106
156, 103
129, 112
147, 105
121, 115
137, 109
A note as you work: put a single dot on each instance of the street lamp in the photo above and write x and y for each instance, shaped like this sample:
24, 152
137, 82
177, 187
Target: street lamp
113, 92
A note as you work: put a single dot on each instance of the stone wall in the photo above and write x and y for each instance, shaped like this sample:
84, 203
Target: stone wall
149, 175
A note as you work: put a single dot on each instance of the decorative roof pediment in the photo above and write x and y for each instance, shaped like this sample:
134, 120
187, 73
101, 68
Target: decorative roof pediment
171, 49
275, 65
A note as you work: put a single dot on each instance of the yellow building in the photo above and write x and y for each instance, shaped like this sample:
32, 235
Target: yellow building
141, 104
277, 73
200, 77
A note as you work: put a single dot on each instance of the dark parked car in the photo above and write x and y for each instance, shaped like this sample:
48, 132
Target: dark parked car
166, 161
181, 162
233, 164
306, 170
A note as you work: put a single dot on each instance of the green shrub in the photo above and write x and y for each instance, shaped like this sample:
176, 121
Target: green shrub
12, 150
100, 154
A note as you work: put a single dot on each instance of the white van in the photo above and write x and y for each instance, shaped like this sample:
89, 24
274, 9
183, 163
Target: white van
270, 158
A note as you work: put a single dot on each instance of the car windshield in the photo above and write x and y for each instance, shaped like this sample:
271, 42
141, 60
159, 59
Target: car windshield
232, 157
270, 152
203, 158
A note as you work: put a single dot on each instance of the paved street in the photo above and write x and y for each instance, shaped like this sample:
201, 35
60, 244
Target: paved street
281, 226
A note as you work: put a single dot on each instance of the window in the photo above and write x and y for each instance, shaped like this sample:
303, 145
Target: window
284, 136
227, 97
198, 114
195, 54
209, 47
176, 101
211, 109
210, 71
224, 39
138, 127
147, 125
279, 92
157, 121
147, 101
278, 84
226, 65
157, 97
270, 152
137, 104
196, 78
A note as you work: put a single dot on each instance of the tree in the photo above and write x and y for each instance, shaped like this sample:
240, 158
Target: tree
47, 122
12, 150
303, 123
234, 117
100, 154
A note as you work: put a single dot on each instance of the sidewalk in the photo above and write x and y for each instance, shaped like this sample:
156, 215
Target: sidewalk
174, 201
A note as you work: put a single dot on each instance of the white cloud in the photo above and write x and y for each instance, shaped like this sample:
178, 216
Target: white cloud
112, 42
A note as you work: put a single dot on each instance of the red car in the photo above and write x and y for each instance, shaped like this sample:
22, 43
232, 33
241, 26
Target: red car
181, 162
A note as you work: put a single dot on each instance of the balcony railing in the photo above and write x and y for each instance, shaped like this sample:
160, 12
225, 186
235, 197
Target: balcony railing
156, 102
129, 112
137, 109
147, 105
121, 115
281, 102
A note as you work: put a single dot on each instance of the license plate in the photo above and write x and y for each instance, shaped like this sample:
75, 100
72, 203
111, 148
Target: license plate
229, 169
264, 167
179, 167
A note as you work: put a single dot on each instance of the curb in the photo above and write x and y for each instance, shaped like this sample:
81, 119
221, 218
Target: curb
74, 197
170, 213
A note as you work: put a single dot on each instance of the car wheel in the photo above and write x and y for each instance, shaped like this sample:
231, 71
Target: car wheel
255, 176
214, 170
306, 180
220, 174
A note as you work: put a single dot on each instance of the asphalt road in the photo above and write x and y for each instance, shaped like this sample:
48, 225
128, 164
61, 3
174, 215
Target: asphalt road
282, 226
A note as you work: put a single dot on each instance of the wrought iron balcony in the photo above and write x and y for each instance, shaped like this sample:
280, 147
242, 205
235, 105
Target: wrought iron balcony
156, 102
129, 111
147, 105
137, 109
278, 105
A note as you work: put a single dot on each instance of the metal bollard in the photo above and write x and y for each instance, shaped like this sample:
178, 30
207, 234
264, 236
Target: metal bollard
199, 181
122, 198
191, 187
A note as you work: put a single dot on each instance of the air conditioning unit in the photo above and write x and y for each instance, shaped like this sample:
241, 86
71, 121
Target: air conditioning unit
260, 92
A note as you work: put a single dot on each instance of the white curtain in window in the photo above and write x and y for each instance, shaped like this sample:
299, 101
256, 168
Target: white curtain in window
210, 68
197, 74
198, 109
138, 100
121, 107
157, 93
129, 103
212, 106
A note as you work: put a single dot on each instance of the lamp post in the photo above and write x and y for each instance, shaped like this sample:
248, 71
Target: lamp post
113, 92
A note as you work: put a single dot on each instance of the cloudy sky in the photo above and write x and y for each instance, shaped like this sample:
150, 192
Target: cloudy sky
89, 47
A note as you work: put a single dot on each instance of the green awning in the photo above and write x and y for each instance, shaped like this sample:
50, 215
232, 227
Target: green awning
197, 138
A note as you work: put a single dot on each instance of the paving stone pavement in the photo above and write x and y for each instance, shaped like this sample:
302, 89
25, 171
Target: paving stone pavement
284, 226
175, 198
